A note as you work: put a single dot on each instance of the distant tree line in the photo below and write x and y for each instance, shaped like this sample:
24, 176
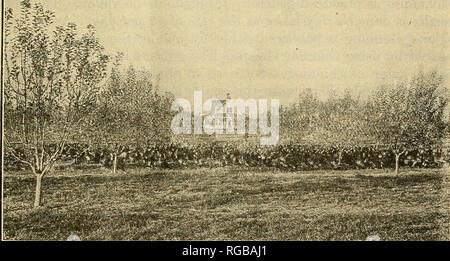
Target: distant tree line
403, 117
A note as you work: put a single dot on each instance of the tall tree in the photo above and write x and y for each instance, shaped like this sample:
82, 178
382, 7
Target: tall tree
51, 81
132, 111
410, 115
342, 124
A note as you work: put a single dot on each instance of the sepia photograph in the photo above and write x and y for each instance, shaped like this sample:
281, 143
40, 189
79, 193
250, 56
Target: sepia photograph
225, 120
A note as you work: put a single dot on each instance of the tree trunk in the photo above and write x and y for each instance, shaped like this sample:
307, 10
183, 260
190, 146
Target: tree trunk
114, 162
37, 195
340, 157
397, 159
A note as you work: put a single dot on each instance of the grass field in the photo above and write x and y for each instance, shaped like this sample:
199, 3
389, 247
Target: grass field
229, 204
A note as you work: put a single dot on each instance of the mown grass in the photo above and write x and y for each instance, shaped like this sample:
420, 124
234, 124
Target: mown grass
229, 204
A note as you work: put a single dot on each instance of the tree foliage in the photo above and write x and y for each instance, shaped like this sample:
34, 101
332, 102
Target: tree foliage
52, 78
299, 119
410, 115
131, 111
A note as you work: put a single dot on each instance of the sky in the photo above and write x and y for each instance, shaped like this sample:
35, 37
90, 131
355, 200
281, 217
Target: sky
269, 49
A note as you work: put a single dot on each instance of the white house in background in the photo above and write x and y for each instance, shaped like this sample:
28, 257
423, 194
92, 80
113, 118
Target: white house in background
229, 118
